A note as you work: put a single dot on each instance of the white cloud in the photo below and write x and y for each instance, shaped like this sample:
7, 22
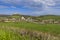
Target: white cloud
2, 6
45, 2
33, 4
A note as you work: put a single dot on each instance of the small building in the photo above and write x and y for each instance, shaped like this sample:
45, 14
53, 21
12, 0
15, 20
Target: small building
22, 18
29, 19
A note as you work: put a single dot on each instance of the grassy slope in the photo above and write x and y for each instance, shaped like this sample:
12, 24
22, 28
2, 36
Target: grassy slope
10, 35
51, 28
48, 17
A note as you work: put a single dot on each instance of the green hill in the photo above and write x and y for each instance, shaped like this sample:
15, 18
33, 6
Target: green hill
28, 30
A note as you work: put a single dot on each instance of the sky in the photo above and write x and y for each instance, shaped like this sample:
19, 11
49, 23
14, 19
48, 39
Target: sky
30, 7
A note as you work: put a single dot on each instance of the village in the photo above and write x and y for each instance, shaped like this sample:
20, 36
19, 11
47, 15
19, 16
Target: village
29, 19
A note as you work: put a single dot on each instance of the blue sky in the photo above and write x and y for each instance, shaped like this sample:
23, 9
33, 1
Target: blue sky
30, 7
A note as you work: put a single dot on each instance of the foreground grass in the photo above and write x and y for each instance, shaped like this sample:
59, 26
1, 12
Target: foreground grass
11, 34
51, 28
7, 34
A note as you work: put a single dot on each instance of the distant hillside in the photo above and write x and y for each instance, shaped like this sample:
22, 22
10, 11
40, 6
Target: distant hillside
4, 15
43, 17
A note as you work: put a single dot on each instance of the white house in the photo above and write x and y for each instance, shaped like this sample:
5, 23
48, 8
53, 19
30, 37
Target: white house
22, 18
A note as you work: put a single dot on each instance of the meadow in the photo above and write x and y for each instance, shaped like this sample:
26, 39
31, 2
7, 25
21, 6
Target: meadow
7, 34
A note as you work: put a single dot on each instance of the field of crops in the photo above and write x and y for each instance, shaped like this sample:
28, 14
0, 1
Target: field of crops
7, 32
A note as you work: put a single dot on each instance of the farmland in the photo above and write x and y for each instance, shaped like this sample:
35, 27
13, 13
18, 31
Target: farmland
5, 30
53, 28
29, 30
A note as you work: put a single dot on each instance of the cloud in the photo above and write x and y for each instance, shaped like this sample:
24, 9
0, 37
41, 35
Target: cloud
39, 6
46, 2
30, 3
2, 6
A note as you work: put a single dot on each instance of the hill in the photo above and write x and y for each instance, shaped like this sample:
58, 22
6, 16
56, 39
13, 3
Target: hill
23, 30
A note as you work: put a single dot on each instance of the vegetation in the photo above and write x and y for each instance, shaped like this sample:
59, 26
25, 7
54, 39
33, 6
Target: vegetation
12, 30
51, 28
44, 17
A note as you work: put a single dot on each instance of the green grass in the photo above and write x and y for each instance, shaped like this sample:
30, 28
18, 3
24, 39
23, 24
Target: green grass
10, 35
52, 28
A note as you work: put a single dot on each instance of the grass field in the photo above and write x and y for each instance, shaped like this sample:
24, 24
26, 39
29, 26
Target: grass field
6, 34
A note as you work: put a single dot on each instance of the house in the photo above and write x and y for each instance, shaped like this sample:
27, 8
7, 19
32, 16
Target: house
29, 19
56, 22
22, 18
